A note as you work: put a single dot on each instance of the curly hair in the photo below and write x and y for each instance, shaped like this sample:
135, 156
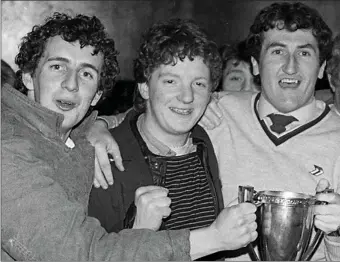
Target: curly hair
89, 31
291, 17
333, 65
165, 42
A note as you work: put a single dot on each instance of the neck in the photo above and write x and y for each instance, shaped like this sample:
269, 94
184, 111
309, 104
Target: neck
170, 140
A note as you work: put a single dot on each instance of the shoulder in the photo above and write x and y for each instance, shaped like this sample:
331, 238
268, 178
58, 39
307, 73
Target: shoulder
235, 100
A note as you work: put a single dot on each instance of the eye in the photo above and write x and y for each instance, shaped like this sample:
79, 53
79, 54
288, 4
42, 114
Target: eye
305, 53
56, 67
277, 52
235, 78
87, 75
200, 84
169, 81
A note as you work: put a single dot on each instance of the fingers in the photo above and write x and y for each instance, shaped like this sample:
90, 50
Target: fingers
96, 183
247, 208
322, 185
116, 156
99, 178
213, 106
154, 191
102, 160
327, 224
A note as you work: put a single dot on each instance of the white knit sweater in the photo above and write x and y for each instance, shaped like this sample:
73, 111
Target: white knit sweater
247, 156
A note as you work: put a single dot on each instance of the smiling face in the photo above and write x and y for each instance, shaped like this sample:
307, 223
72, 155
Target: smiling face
237, 77
66, 80
289, 67
177, 96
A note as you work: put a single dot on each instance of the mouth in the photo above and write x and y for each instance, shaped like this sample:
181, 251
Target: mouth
183, 112
289, 83
65, 105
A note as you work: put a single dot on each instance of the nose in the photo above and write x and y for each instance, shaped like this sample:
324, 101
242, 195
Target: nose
70, 82
187, 95
290, 66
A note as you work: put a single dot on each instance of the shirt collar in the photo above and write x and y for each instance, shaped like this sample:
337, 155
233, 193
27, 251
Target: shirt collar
303, 114
156, 146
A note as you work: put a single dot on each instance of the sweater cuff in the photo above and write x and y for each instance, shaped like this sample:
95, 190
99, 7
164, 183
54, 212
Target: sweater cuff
180, 244
332, 248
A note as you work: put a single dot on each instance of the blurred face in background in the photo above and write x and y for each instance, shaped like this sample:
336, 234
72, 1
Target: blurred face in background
237, 76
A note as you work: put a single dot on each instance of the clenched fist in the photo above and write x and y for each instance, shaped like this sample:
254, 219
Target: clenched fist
152, 204
235, 226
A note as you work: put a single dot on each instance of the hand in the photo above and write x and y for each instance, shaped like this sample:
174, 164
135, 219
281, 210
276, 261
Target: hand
235, 226
327, 217
104, 143
152, 206
212, 115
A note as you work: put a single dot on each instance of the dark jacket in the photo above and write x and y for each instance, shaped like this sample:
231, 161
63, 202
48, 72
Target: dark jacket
45, 188
110, 206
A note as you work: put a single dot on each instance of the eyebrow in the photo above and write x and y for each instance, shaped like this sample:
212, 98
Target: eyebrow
177, 76
63, 59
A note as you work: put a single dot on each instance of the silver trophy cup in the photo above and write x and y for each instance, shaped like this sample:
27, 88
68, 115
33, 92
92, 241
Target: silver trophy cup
285, 224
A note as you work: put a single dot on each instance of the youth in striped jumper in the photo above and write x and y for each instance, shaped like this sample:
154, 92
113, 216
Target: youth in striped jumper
171, 178
289, 45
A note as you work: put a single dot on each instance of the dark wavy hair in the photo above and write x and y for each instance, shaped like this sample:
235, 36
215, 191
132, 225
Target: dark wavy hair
89, 31
333, 65
290, 16
165, 42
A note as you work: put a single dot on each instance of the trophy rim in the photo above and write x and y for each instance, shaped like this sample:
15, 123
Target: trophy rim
288, 198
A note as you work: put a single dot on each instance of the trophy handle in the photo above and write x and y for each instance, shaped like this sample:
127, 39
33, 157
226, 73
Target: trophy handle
319, 234
315, 243
248, 194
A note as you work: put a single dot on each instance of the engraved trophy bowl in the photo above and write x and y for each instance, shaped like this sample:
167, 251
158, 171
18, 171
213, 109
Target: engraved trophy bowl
285, 224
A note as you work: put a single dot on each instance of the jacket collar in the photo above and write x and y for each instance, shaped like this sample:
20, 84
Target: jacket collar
38, 117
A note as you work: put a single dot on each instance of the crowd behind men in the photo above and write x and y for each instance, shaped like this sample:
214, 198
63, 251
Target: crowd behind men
48, 164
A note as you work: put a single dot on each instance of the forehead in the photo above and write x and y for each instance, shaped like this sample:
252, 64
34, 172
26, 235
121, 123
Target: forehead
295, 39
195, 68
58, 47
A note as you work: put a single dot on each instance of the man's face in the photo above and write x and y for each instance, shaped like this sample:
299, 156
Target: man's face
176, 97
237, 77
66, 80
289, 67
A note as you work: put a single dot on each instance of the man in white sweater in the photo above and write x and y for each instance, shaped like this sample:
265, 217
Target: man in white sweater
289, 52
289, 43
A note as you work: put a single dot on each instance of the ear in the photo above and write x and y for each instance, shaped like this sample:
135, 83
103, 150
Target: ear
322, 69
96, 98
255, 65
330, 82
143, 89
28, 81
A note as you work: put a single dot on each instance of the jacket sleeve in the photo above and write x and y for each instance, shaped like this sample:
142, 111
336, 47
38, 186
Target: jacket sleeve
39, 222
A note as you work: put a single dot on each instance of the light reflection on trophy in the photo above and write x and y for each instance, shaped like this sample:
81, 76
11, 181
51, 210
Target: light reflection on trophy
285, 224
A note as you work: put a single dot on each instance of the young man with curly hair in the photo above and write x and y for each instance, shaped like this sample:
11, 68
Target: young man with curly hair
163, 149
67, 65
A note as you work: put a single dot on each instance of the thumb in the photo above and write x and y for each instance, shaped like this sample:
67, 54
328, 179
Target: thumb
322, 185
